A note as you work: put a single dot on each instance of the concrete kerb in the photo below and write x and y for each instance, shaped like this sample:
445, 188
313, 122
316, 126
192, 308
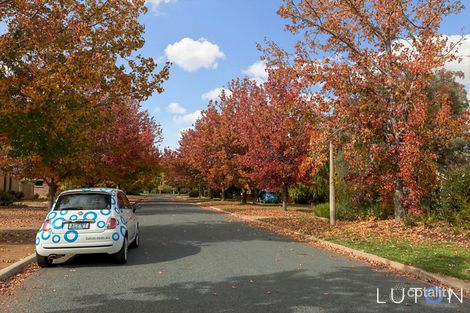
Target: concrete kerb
16, 267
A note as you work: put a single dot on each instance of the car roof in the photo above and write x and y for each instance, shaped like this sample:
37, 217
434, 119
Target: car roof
91, 190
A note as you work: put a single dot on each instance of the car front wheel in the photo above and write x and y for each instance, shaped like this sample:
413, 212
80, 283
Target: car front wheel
43, 261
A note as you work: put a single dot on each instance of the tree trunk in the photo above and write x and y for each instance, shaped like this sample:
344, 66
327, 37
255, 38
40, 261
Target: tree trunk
52, 191
398, 200
244, 196
284, 198
200, 191
222, 195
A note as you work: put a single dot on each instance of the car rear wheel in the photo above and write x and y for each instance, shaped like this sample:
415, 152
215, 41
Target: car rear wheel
43, 261
121, 256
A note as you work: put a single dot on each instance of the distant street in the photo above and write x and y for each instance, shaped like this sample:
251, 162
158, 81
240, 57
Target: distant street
193, 260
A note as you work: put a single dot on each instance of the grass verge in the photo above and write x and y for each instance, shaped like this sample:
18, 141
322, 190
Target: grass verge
444, 258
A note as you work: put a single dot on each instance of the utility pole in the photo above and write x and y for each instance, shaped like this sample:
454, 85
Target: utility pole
332, 187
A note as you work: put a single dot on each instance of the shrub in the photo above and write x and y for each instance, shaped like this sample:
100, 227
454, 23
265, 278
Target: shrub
18, 195
350, 213
193, 194
6, 198
322, 210
454, 195
362, 211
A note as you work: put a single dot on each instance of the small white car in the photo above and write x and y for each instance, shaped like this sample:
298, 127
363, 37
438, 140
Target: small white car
84, 221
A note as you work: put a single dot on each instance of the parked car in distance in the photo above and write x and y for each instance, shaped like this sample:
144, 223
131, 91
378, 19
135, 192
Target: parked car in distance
268, 197
86, 221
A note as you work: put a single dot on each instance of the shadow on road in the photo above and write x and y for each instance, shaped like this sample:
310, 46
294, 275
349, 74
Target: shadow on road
161, 252
344, 290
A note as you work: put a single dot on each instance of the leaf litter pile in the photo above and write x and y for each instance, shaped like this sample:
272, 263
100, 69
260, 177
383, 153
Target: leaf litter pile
22, 216
373, 229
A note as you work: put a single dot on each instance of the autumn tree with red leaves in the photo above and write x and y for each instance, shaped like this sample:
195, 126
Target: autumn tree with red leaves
274, 122
62, 63
188, 160
124, 153
374, 61
214, 147
177, 172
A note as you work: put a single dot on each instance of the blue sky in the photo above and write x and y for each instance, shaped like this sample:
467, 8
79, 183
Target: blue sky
214, 41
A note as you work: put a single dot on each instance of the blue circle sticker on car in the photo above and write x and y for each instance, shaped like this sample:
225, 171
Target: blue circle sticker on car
45, 235
51, 215
71, 236
101, 224
88, 214
55, 238
105, 211
58, 223
115, 236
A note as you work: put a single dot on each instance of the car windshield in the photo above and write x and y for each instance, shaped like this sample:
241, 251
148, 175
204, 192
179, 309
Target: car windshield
88, 201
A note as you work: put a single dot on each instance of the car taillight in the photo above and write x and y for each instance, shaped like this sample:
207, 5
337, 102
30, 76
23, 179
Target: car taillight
112, 223
46, 226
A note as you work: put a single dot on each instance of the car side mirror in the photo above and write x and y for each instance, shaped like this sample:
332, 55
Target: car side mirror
135, 206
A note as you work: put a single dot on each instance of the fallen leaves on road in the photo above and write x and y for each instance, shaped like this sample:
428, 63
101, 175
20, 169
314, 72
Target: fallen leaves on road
8, 287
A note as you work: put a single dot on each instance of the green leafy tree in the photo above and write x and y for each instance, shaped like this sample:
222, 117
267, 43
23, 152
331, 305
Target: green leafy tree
61, 63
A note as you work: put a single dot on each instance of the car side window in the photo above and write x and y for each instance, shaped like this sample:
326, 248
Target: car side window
126, 201
121, 202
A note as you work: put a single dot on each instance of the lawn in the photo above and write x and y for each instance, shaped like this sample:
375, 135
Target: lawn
435, 257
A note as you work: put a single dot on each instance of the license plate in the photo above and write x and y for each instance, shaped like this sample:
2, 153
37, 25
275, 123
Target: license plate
78, 226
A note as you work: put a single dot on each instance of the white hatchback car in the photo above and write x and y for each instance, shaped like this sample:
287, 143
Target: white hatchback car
84, 221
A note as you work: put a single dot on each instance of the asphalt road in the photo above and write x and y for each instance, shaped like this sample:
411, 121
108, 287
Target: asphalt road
193, 260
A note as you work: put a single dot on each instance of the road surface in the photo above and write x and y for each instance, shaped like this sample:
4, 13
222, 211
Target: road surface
194, 260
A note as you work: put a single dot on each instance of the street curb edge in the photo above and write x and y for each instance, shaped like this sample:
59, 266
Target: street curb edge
16, 267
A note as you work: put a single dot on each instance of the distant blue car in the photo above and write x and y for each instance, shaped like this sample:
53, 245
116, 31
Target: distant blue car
268, 197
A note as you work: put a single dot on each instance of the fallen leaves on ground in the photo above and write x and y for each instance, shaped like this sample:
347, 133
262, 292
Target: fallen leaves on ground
379, 230
22, 216
8, 287
305, 223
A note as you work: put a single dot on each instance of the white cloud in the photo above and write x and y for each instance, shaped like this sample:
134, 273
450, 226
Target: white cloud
189, 118
192, 55
257, 71
176, 108
182, 130
464, 53
155, 5
156, 110
214, 94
